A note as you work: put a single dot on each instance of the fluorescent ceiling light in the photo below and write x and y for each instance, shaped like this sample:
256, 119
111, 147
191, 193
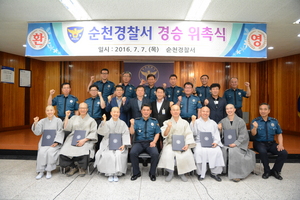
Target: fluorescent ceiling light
76, 9
298, 35
197, 9
270, 47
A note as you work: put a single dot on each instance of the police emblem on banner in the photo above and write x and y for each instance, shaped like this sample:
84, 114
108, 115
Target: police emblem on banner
148, 69
75, 33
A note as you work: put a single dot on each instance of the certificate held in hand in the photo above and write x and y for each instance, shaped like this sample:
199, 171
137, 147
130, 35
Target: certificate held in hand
78, 135
177, 142
229, 137
206, 139
115, 141
48, 137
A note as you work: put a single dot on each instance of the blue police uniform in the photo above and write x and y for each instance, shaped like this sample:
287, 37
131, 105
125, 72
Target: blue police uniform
203, 93
145, 131
172, 93
129, 91
65, 103
150, 93
235, 97
266, 130
106, 88
94, 107
189, 106
264, 142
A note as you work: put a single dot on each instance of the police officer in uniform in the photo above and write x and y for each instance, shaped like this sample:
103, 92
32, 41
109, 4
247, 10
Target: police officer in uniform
203, 91
264, 128
150, 89
129, 89
95, 105
146, 131
64, 101
235, 96
189, 104
174, 91
105, 86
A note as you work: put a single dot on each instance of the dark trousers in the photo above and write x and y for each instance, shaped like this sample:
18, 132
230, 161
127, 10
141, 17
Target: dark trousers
239, 112
263, 148
65, 161
100, 137
137, 149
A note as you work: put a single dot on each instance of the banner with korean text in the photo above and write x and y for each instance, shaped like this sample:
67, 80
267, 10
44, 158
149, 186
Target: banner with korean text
147, 38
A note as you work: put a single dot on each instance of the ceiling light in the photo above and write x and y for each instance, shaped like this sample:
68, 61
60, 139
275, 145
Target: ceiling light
197, 9
297, 22
298, 35
270, 47
76, 9
24, 45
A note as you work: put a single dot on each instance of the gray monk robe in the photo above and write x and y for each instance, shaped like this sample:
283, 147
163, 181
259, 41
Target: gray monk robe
47, 156
77, 123
241, 160
112, 162
184, 159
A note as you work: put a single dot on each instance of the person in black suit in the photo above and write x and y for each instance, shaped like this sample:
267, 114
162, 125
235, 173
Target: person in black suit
216, 104
161, 111
135, 104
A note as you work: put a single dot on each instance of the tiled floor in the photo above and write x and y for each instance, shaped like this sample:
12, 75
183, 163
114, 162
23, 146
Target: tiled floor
17, 181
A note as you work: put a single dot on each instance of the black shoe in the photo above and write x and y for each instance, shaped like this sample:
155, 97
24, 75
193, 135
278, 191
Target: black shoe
276, 175
199, 178
134, 177
152, 177
265, 175
216, 177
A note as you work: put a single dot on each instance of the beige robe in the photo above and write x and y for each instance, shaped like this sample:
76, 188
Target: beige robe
184, 160
112, 161
77, 123
47, 157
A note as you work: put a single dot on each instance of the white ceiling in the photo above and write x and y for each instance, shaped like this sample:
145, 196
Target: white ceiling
277, 14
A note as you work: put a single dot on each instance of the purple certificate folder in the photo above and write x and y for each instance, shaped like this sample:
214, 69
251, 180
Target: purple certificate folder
78, 135
48, 137
206, 139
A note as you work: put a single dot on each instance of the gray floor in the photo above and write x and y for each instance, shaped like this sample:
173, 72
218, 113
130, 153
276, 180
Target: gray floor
17, 181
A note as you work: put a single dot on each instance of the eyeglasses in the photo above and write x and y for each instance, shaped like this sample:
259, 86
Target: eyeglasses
93, 90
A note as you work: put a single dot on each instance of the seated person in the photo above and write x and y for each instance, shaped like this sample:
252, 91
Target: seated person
184, 159
146, 131
112, 163
212, 156
47, 156
264, 128
240, 159
84, 149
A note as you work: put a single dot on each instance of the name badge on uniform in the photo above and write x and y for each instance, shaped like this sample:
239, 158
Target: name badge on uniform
216, 102
163, 111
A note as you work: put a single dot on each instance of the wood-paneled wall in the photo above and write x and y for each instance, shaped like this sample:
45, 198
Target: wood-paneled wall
274, 81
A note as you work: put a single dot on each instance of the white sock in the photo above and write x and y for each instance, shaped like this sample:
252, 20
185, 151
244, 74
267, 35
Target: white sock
39, 176
48, 175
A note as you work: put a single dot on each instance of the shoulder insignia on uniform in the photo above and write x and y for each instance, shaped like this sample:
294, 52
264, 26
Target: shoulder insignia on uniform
138, 118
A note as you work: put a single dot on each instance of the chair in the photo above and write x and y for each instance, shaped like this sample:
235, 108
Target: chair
270, 155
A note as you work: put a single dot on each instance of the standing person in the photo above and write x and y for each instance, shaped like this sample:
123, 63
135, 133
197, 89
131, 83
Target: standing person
203, 91
150, 88
189, 104
105, 86
264, 128
160, 111
84, 151
235, 96
241, 160
174, 91
146, 131
48, 155
64, 101
95, 104
119, 101
184, 159
134, 105
213, 156
113, 163
129, 89
216, 104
